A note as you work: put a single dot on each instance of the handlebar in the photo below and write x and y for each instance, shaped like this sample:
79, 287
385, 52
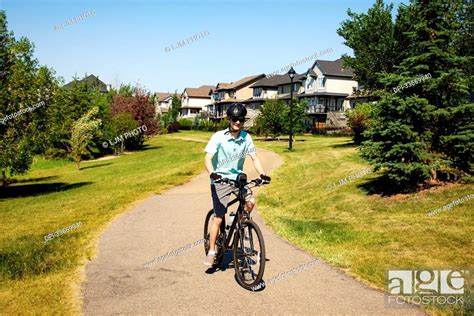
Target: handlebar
257, 182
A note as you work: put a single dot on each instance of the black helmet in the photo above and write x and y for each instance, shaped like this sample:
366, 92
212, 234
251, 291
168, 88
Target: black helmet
236, 110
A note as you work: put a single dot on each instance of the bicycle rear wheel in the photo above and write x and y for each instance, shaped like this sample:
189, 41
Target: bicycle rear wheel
249, 255
219, 242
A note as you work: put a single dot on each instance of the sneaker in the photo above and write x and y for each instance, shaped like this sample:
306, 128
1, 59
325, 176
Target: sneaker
209, 261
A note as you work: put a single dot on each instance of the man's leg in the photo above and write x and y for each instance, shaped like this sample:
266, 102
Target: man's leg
216, 224
249, 201
220, 197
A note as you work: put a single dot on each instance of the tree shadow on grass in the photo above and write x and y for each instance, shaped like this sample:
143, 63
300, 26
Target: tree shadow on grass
350, 144
282, 140
149, 147
28, 190
40, 179
383, 186
96, 166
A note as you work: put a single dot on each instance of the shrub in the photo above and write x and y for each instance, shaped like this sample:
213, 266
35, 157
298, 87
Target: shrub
186, 124
173, 127
358, 119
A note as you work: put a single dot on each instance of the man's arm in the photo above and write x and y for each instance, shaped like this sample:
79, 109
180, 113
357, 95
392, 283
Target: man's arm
257, 164
211, 150
252, 152
208, 162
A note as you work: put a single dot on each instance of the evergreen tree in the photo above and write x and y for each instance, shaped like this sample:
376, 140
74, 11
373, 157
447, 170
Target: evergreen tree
426, 128
175, 108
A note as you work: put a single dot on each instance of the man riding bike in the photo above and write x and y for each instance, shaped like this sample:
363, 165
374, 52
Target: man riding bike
225, 157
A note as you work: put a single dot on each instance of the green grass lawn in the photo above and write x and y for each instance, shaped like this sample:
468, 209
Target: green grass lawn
364, 234
43, 277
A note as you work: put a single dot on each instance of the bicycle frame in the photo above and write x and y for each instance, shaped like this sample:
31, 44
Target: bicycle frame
227, 241
241, 199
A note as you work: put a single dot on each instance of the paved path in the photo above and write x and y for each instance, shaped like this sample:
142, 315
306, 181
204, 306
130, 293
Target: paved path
117, 283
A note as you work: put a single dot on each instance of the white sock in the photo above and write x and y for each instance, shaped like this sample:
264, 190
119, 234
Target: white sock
211, 252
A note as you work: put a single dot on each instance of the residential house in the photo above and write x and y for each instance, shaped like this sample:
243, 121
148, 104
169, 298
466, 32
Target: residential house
326, 87
162, 102
226, 93
195, 100
91, 81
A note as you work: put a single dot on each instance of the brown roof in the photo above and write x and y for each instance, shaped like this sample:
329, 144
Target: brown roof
201, 92
222, 85
240, 83
161, 96
310, 72
277, 80
91, 81
333, 68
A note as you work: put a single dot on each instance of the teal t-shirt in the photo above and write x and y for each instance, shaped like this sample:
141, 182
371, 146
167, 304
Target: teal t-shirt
229, 153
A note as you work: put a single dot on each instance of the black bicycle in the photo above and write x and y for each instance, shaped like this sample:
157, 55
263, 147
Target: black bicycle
248, 246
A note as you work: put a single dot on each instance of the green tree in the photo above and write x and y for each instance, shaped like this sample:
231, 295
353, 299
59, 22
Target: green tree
82, 134
25, 93
371, 37
126, 90
170, 119
300, 117
70, 104
425, 129
274, 116
119, 125
175, 108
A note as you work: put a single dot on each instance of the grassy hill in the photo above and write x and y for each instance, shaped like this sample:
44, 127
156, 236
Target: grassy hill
55, 195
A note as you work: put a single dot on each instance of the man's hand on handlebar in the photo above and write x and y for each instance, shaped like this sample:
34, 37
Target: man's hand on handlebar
214, 176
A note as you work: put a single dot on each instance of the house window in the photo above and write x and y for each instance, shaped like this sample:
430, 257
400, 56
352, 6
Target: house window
322, 82
257, 92
219, 95
339, 104
325, 102
284, 89
310, 83
332, 105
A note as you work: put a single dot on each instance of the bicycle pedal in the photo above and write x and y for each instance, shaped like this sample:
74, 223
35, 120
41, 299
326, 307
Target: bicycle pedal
251, 261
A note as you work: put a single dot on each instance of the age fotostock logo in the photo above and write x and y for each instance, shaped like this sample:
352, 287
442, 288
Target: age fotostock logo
427, 286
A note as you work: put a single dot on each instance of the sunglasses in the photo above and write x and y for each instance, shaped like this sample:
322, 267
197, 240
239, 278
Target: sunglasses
235, 119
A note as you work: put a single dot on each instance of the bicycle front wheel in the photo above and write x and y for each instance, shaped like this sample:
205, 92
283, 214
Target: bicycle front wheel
249, 255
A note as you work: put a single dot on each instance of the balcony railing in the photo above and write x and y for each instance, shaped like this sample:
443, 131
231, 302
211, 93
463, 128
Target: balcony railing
314, 109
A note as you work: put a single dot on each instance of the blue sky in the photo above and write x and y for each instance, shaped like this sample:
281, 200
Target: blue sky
125, 41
